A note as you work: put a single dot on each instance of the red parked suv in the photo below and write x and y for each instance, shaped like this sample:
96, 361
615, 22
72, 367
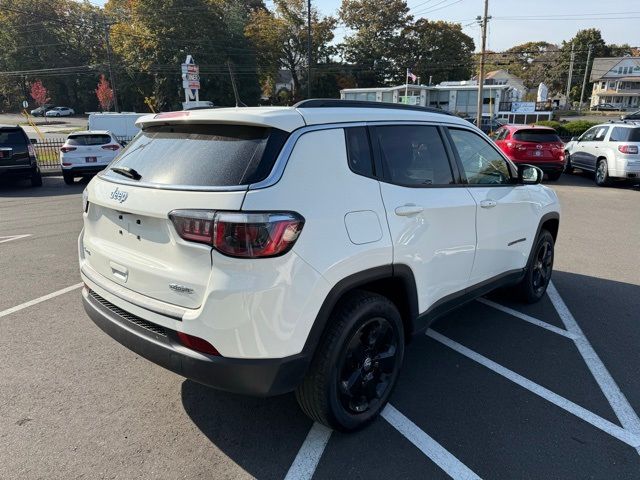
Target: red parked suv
534, 145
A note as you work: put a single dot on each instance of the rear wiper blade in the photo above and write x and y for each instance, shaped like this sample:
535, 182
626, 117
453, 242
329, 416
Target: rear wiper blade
127, 172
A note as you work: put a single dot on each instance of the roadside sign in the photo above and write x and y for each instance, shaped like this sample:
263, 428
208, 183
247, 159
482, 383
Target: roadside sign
190, 78
25, 104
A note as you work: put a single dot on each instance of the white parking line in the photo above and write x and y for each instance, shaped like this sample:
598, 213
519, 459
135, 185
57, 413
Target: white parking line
529, 319
432, 449
44, 298
605, 425
10, 238
619, 403
306, 461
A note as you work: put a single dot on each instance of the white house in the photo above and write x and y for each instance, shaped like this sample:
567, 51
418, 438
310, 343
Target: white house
616, 80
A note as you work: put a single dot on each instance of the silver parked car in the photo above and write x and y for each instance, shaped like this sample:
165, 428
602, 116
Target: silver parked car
610, 150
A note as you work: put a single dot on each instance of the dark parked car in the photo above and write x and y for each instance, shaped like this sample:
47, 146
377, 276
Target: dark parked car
631, 116
17, 155
487, 124
605, 107
40, 111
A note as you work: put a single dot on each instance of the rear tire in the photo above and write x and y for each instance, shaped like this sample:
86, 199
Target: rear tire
554, 176
36, 178
68, 178
538, 274
356, 364
602, 173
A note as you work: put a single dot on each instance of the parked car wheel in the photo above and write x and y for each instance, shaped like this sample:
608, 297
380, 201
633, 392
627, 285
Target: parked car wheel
554, 176
36, 178
568, 169
356, 365
538, 275
602, 173
68, 178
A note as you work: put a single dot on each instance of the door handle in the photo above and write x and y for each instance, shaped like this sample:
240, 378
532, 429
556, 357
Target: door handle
407, 210
488, 203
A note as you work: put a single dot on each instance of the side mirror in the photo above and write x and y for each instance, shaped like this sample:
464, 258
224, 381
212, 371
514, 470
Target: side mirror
529, 175
33, 140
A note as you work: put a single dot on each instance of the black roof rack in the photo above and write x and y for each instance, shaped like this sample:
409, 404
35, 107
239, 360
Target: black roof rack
337, 103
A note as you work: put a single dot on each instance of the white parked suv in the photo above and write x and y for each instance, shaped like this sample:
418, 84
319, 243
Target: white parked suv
85, 153
610, 150
265, 250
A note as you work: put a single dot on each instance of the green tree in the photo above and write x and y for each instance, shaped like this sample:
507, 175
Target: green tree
436, 48
377, 40
280, 39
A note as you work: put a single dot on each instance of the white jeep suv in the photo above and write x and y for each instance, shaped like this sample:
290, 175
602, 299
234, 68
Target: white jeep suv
265, 250
610, 150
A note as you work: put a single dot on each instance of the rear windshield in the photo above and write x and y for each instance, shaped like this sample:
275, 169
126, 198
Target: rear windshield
622, 134
538, 136
88, 140
201, 155
12, 137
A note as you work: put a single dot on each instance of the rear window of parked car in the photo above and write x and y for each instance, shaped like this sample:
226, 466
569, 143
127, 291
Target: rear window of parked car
621, 134
202, 154
534, 135
88, 140
12, 137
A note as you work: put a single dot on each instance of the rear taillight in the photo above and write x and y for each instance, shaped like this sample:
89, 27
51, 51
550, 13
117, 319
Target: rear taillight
32, 151
112, 147
628, 149
238, 234
66, 149
197, 344
516, 146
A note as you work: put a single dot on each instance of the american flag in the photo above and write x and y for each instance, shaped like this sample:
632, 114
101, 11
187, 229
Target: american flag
411, 76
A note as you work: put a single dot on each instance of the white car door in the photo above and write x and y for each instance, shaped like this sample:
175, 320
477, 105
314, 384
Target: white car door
431, 217
505, 210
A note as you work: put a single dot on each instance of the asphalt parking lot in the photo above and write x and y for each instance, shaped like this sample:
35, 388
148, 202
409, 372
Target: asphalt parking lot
494, 390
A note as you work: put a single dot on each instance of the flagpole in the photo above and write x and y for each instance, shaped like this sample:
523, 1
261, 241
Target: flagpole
406, 88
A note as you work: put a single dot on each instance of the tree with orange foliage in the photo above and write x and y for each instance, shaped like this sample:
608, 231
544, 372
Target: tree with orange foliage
104, 92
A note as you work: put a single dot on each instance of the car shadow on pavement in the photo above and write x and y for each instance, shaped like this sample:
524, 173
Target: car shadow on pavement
261, 435
52, 186
586, 179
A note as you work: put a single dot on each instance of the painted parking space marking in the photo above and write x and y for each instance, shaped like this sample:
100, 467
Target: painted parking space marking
619, 403
527, 318
35, 301
306, 461
11, 238
606, 426
427, 445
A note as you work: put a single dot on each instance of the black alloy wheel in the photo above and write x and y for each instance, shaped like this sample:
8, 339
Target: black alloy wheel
542, 267
368, 366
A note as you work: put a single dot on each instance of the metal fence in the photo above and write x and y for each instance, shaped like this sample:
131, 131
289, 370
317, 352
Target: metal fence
48, 151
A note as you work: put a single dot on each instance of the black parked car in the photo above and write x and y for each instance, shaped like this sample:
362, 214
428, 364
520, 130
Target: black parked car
40, 111
604, 107
17, 155
631, 116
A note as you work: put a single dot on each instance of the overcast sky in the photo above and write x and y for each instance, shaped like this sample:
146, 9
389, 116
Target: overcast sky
548, 20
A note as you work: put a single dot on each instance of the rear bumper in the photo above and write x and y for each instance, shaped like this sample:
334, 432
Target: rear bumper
17, 170
84, 169
259, 377
548, 167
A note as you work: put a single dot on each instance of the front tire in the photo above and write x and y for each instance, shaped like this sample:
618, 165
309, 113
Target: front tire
356, 365
602, 173
538, 274
568, 169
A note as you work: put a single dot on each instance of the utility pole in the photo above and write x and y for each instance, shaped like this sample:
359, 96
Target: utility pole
573, 57
483, 22
584, 79
308, 48
111, 76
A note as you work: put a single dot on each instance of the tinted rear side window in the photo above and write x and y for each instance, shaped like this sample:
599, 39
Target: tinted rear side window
89, 140
359, 151
621, 134
12, 137
413, 155
202, 155
539, 136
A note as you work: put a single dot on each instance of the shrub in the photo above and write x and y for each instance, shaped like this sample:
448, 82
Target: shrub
568, 129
